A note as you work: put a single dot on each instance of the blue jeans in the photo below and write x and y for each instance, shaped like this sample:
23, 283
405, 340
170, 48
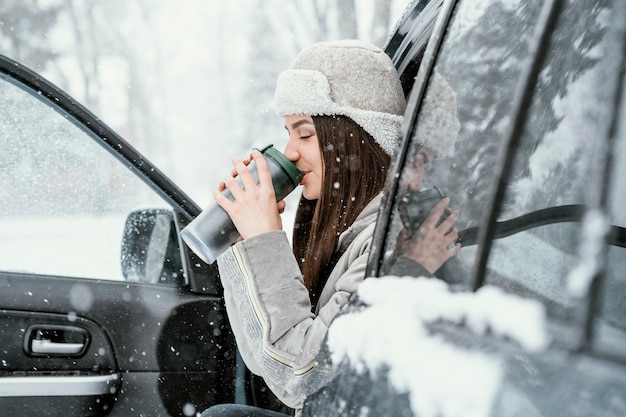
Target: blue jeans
239, 410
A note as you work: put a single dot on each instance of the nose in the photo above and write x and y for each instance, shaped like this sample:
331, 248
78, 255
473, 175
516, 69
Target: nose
291, 150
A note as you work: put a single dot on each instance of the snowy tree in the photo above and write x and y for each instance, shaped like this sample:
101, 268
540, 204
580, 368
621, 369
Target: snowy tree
181, 80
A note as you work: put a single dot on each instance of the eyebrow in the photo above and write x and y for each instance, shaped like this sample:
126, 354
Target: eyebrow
299, 123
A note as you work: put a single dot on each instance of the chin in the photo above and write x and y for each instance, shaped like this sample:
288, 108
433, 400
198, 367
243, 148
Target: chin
309, 196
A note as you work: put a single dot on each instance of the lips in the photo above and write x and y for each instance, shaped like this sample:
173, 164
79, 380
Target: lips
304, 178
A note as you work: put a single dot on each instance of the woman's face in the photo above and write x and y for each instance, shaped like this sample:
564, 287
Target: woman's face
412, 175
303, 150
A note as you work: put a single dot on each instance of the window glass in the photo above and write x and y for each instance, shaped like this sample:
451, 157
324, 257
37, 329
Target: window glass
558, 172
559, 167
64, 199
465, 113
610, 324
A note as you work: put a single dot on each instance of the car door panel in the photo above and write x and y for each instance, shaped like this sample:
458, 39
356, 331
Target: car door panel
103, 310
91, 350
157, 339
555, 250
36, 379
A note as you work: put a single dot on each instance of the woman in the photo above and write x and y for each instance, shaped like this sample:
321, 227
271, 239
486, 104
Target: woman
342, 103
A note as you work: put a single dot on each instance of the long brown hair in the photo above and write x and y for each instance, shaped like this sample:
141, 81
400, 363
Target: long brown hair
355, 168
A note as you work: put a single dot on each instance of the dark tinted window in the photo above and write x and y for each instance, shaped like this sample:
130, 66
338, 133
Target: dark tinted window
467, 104
559, 169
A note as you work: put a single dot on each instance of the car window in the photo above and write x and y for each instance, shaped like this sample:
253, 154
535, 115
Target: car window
559, 167
466, 106
609, 326
64, 199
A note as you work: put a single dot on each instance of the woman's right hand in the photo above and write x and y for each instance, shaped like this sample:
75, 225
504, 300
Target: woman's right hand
254, 209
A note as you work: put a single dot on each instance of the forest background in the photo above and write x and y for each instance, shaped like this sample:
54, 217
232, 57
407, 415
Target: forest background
188, 83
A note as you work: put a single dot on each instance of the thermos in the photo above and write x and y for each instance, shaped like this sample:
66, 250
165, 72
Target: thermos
415, 207
212, 232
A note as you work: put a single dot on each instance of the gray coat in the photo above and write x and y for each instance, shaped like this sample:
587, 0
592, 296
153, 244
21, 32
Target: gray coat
270, 311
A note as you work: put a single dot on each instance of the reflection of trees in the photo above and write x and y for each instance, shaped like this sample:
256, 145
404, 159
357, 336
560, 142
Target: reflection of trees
180, 80
570, 55
484, 67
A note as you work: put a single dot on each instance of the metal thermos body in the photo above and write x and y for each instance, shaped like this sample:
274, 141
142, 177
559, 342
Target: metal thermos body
212, 231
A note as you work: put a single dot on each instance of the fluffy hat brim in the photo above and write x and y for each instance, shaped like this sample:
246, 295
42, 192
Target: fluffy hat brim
301, 91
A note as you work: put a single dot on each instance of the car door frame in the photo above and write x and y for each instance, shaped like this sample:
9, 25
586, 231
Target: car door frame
136, 376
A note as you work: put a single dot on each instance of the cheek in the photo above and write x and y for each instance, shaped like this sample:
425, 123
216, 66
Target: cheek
313, 189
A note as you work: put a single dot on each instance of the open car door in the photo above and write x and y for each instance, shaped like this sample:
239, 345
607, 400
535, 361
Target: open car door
103, 310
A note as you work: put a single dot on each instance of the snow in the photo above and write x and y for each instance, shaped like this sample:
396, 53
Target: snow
423, 364
181, 82
73, 246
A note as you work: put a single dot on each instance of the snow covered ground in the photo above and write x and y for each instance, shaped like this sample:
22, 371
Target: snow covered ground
67, 246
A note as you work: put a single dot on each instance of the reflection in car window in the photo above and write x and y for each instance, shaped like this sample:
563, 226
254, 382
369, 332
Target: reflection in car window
64, 199
478, 65
560, 162
558, 172
610, 326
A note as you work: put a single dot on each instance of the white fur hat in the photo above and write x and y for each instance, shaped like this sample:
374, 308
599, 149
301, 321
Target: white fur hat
349, 78
437, 124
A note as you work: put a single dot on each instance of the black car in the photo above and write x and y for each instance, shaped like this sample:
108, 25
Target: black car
531, 94
103, 308
529, 319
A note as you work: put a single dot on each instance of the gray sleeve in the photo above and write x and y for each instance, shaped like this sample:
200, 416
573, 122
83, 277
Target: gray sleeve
405, 266
270, 313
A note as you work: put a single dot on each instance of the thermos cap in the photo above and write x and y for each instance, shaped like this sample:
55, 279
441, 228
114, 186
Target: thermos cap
423, 195
294, 173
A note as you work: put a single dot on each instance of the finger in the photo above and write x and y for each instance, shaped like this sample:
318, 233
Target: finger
246, 162
404, 234
454, 250
244, 174
234, 187
436, 212
449, 221
221, 200
281, 206
263, 170
453, 236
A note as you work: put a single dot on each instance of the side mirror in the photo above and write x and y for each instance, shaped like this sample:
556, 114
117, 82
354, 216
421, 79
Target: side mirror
150, 248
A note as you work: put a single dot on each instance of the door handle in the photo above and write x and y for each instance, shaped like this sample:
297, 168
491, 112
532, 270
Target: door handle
55, 340
46, 346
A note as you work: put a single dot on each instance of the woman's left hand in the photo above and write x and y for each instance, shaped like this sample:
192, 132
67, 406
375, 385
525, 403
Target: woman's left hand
433, 244
254, 209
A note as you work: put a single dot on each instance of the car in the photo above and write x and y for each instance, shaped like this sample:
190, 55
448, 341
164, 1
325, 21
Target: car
104, 310
529, 319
